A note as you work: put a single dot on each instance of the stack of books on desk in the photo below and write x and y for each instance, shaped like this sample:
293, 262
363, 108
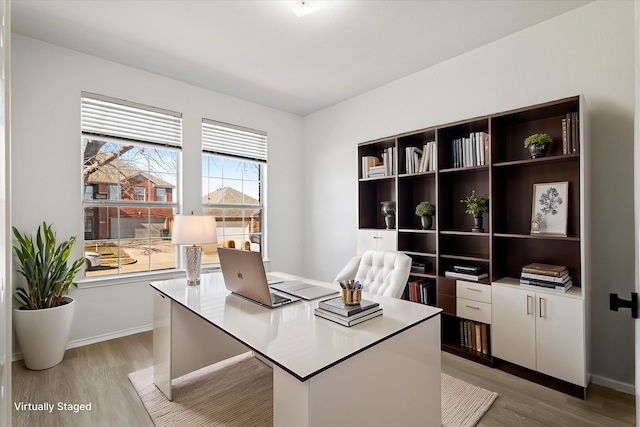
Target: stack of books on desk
347, 315
547, 276
466, 272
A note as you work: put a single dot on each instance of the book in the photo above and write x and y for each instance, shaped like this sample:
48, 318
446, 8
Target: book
485, 339
466, 268
478, 337
335, 305
536, 285
367, 163
545, 269
543, 278
346, 321
468, 276
565, 137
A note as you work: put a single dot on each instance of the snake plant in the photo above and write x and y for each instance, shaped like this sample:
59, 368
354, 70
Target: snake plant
44, 264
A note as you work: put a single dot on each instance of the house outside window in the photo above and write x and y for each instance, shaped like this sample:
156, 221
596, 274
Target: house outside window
233, 185
131, 233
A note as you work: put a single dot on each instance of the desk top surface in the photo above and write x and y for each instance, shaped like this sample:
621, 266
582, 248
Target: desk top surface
291, 336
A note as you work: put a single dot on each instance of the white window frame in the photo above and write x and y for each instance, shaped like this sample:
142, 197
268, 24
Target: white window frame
171, 140
241, 144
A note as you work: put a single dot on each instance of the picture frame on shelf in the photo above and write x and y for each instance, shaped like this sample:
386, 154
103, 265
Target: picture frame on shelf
549, 208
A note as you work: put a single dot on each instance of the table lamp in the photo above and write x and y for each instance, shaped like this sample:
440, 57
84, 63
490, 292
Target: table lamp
191, 231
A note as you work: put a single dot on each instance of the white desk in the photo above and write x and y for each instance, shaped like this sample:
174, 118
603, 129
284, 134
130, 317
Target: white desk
389, 365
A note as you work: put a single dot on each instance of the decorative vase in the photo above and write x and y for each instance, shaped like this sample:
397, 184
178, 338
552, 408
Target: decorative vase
390, 222
426, 221
388, 209
43, 334
538, 150
477, 223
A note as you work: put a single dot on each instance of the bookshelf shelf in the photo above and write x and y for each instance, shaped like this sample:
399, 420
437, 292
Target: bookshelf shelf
486, 155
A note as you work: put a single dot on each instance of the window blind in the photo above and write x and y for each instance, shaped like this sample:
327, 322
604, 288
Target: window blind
106, 116
232, 140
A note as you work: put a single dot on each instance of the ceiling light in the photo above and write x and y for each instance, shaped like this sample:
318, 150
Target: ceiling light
306, 7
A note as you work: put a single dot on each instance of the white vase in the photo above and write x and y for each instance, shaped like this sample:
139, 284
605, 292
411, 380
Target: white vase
43, 334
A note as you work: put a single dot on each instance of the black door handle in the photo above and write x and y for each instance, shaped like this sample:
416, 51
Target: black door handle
615, 303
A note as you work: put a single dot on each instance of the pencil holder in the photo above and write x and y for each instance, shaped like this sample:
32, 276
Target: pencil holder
351, 296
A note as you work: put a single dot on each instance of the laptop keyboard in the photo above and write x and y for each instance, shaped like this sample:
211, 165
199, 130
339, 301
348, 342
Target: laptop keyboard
277, 299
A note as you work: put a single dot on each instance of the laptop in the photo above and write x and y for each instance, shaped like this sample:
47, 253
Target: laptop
244, 275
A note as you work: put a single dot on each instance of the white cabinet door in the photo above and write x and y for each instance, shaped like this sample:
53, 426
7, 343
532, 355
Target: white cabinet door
560, 338
513, 328
376, 239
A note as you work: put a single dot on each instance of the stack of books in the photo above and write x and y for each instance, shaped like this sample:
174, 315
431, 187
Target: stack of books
422, 291
474, 336
548, 276
466, 272
347, 315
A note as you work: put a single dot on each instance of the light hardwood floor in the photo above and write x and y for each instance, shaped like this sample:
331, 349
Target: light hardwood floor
97, 374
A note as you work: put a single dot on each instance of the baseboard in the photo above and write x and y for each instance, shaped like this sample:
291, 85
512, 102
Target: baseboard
96, 339
613, 384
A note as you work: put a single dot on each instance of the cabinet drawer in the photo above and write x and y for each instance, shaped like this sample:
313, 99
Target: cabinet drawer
473, 310
473, 291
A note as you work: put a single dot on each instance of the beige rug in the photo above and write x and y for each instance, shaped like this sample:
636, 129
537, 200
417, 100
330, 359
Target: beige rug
219, 395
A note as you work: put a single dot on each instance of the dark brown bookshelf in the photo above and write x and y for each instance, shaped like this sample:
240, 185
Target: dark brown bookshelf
508, 175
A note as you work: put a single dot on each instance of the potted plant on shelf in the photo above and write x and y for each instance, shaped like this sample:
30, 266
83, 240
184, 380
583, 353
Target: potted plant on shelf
538, 144
389, 212
476, 205
43, 321
425, 211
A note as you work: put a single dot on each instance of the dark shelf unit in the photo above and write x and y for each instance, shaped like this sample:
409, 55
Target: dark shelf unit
508, 176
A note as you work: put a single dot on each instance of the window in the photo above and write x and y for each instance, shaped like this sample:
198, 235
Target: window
129, 151
161, 194
139, 193
233, 185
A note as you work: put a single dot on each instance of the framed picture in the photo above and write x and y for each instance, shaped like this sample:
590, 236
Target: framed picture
549, 208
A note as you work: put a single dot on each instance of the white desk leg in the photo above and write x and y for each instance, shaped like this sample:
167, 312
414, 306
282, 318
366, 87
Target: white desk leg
162, 343
183, 342
394, 383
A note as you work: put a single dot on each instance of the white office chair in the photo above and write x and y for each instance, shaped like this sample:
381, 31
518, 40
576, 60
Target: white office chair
380, 272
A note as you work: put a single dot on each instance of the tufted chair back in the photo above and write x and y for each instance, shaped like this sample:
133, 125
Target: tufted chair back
380, 272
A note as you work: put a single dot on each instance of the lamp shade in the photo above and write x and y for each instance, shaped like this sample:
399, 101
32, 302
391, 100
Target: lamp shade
194, 230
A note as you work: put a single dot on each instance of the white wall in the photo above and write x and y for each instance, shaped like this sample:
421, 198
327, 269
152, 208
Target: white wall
587, 51
46, 163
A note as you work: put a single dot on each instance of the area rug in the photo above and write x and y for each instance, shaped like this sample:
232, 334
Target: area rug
219, 395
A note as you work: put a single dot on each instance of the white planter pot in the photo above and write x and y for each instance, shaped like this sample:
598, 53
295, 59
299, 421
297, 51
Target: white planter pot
43, 334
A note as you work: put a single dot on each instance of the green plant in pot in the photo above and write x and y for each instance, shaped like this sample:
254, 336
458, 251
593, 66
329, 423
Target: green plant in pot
476, 205
388, 210
425, 211
538, 144
43, 321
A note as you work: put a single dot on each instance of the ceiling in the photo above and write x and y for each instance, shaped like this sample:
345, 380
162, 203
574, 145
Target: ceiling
262, 52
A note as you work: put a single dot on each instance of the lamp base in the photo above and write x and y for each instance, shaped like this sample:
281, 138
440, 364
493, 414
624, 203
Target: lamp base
193, 254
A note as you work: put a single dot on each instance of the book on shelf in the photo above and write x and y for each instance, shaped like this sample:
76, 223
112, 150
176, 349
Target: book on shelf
367, 163
484, 338
422, 291
337, 306
543, 278
571, 133
545, 269
413, 159
421, 266
471, 151
467, 269
465, 275
474, 335
347, 321
536, 284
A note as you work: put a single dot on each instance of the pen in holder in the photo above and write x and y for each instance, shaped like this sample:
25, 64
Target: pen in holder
351, 292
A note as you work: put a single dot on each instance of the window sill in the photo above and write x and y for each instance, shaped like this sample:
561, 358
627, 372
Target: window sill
121, 279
